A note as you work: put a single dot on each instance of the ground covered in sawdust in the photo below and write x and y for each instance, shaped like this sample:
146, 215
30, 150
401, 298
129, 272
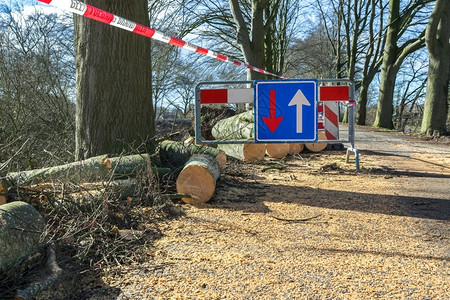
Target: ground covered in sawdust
307, 227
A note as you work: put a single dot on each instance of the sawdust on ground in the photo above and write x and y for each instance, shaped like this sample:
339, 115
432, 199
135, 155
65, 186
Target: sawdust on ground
314, 229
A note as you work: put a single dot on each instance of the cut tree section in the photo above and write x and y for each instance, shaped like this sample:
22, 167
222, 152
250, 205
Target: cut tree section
198, 179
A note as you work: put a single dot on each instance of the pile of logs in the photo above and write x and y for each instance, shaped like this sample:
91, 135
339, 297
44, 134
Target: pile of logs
197, 169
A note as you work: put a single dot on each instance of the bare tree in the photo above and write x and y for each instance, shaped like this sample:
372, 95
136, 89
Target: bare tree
399, 22
36, 87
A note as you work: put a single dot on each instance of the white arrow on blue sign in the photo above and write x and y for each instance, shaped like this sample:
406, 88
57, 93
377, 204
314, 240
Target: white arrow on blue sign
286, 111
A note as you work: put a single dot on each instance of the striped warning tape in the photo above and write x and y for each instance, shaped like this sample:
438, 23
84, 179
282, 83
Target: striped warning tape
97, 14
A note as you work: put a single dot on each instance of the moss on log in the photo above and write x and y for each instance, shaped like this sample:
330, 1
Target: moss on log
21, 228
198, 179
175, 154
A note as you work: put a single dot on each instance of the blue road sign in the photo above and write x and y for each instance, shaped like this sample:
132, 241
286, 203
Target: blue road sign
286, 111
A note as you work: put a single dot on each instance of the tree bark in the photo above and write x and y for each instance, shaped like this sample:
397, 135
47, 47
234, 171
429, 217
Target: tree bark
175, 154
437, 41
114, 105
237, 127
245, 152
198, 179
21, 228
91, 169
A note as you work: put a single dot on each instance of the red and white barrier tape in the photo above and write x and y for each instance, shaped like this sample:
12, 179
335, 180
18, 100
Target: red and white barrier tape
97, 14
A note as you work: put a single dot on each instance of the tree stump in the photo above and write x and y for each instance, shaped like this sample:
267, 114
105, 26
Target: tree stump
198, 179
21, 227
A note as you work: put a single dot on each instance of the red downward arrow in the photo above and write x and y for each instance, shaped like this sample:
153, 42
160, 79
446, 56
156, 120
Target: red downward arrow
272, 122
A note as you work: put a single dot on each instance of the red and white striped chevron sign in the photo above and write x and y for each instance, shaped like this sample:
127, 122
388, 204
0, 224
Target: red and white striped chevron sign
88, 11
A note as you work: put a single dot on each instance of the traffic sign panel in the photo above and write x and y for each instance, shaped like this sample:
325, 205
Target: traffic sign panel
286, 111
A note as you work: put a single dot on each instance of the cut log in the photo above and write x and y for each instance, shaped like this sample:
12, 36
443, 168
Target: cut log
295, 149
92, 169
198, 179
317, 147
175, 154
237, 127
277, 150
245, 152
21, 227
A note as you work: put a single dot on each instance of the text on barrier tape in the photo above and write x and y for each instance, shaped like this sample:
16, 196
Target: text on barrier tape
97, 14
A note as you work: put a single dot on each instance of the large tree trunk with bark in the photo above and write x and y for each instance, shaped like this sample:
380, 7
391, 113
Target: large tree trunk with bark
198, 179
21, 228
113, 66
174, 155
437, 41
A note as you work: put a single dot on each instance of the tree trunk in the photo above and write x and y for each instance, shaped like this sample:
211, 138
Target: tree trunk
393, 57
198, 179
92, 169
388, 72
175, 154
245, 152
361, 112
21, 228
436, 99
113, 66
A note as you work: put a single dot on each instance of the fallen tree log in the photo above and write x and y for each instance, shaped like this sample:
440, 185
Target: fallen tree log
175, 154
198, 179
239, 127
318, 146
295, 149
91, 169
245, 152
21, 228
277, 150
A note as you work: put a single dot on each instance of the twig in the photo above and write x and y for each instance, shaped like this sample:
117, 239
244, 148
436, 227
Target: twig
295, 220
45, 283
14, 155
274, 167
176, 196
167, 137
